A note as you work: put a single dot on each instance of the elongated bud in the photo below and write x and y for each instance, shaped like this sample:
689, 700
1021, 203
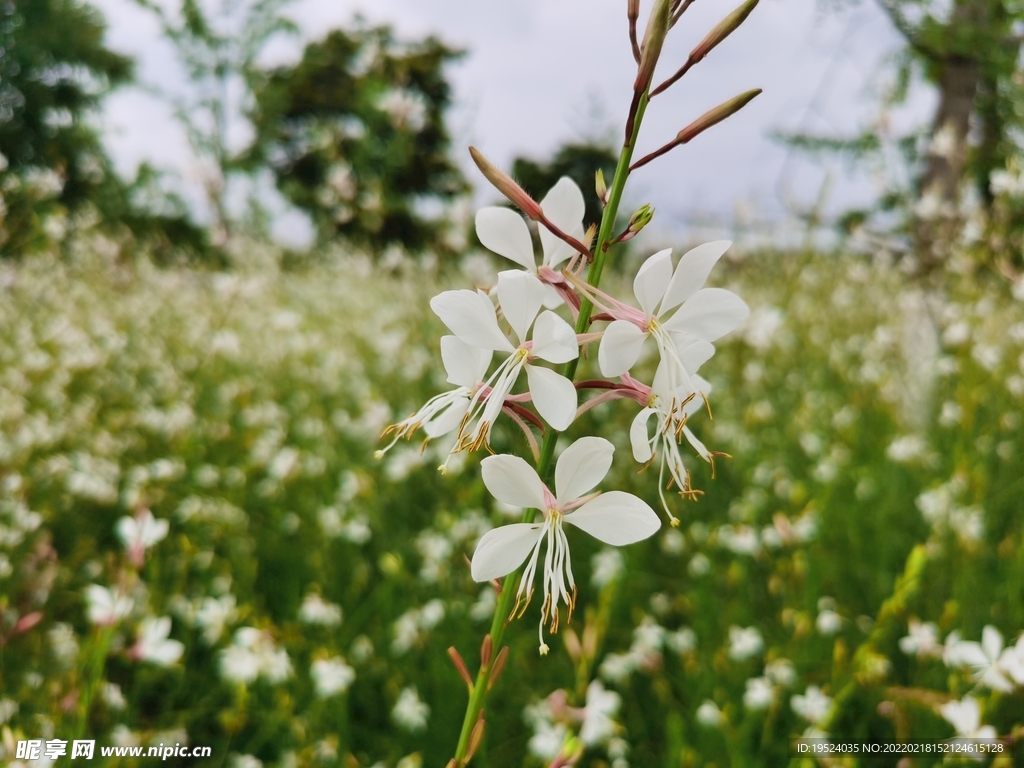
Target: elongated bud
601, 187
716, 115
504, 184
460, 666
498, 668
476, 737
633, 10
722, 30
453, 763
641, 218
650, 49
486, 647
572, 644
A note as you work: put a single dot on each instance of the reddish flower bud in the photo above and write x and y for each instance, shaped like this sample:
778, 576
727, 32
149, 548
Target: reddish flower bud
504, 184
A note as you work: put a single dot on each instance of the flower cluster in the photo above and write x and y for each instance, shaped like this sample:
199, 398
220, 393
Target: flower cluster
515, 331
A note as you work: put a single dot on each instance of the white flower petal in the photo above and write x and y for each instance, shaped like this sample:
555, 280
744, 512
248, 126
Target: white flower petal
554, 339
470, 316
554, 396
616, 518
503, 231
512, 481
693, 352
991, 642
620, 347
709, 314
692, 272
581, 467
698, 446
521, 296
651, 279
564, 207
638, 435
504, 549
552, 299
466, 365
448, 419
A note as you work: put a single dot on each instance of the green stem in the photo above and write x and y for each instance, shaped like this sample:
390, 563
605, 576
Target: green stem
545, 463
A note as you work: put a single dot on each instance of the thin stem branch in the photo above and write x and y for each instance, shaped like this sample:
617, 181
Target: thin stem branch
678, 9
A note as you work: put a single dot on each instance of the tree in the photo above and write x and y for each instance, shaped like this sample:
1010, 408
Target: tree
54, 72
355, 134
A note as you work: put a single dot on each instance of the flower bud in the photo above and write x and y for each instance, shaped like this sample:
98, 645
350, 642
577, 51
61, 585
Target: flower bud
504, 184
654, 39
476, 737
641, 218
722, 30
601, 187
716, 115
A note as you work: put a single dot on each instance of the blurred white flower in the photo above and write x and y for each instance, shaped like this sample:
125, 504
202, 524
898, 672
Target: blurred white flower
709, 715
923, 640
213, 614
316, 610
253, 654
983, 658
780, 672
153, 643
812, 705
614, 518
410, 712
104, 607
141, 532
331, 676
599, 710
744, 643
828, 622
965, 717
606, 566
759, 693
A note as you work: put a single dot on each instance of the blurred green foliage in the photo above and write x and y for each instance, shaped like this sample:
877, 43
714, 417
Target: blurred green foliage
864, 418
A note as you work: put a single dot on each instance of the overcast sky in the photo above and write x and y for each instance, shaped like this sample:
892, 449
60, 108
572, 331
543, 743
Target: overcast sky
542, 72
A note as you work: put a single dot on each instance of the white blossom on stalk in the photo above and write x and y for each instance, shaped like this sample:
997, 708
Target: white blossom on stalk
471, 317
671, 408
466, 367
703, 313
504, 231
153, 643
615, 518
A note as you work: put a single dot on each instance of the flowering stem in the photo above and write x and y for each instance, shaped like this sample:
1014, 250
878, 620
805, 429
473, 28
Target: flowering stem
483, 682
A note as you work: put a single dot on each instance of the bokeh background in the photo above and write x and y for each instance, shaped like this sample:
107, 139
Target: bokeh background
220, 228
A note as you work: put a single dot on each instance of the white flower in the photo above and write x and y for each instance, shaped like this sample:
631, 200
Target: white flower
965, 717
466, 367
141, 532
759, 693
504, 231
213, 614
923, 640
709, 715
153, 644
780, 672
471, 317
828, 622
105, 607
703, 314
252, 655
331, 676
316, 610
744, 643
813, 705
615, 518
601, 706
410, 712
671, 408
983, 658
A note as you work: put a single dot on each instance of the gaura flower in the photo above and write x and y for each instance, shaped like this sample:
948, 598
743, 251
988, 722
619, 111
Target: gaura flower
466, 367
105, 607
615, 518
703, 313
471, 317
671, 408
504, 231
153, 643
139, 533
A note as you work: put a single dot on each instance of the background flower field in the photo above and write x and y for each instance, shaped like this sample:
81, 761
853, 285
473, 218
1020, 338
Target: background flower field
869, 509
